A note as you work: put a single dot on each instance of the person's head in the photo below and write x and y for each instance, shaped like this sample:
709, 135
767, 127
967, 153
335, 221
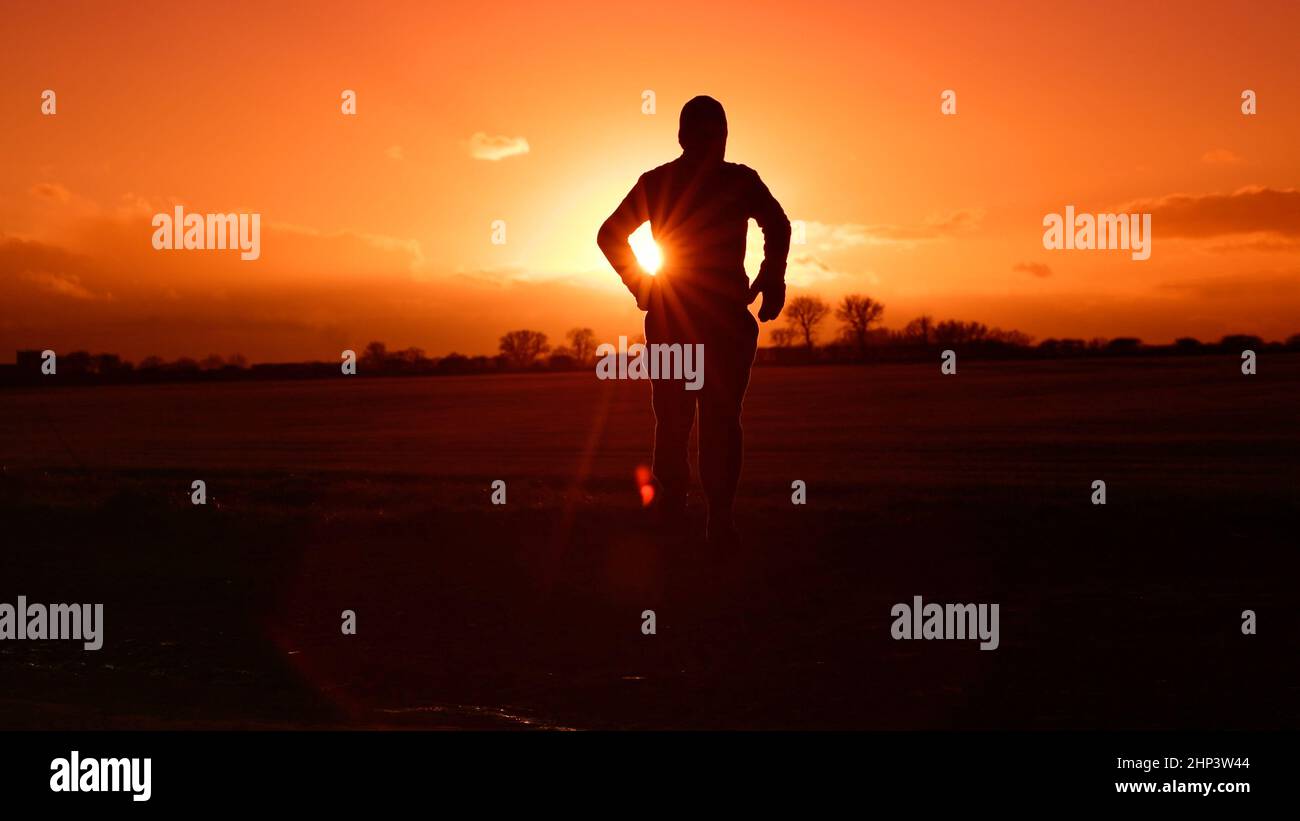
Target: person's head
702, 131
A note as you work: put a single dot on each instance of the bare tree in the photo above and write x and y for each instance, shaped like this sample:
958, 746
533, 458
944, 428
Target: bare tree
410, 356
375, 355
1013, 338
956, 332
521, 348
1241, 342
108, 363
920, 330
803, 313
582, 345
77, 362
784, 337
857, 312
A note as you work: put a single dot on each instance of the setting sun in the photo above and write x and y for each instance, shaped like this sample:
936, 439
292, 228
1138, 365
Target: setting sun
647, 252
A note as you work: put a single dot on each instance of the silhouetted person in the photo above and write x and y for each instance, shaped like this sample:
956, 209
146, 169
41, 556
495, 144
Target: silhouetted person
699, 208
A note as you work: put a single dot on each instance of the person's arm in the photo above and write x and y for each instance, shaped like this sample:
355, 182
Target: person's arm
612, 239
770, 282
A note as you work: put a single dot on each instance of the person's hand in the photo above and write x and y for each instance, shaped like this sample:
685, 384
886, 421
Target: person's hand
773, 291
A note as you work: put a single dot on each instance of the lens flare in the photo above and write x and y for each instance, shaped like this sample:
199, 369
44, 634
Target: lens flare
647, 487
646, 250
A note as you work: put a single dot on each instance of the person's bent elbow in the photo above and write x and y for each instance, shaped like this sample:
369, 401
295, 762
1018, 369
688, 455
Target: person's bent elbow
607, 236
781, 228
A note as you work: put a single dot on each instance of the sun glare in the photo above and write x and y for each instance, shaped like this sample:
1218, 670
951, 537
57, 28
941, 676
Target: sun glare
647, 252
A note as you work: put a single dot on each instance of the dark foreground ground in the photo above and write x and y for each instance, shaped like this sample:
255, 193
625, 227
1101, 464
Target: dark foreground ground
373, 495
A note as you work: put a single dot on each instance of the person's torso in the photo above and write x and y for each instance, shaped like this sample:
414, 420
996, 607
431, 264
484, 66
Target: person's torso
699, 216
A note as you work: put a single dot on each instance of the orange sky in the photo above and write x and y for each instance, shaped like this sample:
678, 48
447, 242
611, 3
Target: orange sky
378, 226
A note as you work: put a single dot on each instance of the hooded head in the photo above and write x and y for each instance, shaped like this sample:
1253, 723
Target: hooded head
702, 131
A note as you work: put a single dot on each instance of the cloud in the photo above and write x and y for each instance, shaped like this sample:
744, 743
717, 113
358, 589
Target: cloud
834, 237
65, 285
1252, 210
838, 236
1038, 269
51, 191
1265, 243
1250, 287
486, 147
828, 251
805, 270
1220, 156
99, 285
353, 251
807, 264
31, 260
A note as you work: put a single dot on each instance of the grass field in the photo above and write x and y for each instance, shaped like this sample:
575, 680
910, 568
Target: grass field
373, 495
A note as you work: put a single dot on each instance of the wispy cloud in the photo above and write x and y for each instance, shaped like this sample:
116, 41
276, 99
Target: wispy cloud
51, 191
1252, 210
1220, 156
1038, 269
65, 285
1262, 285
838, 236
489, 147
402, 252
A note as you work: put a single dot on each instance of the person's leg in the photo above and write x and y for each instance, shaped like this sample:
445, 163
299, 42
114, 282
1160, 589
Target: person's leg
726, 377
674, 416
674, 410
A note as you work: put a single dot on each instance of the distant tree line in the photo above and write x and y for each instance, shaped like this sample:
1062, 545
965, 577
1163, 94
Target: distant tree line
858, 337
111, 367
